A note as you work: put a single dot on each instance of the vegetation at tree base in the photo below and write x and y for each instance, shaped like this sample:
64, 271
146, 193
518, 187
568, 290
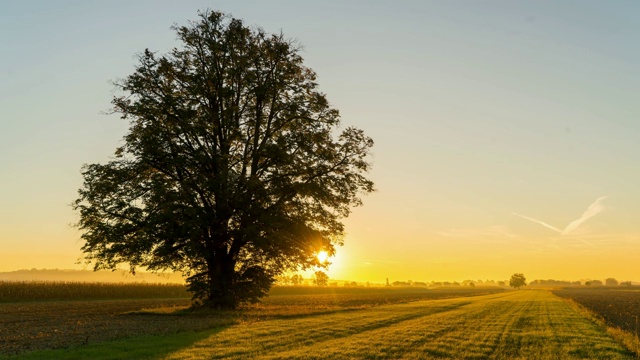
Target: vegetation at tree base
517, 280
231, 171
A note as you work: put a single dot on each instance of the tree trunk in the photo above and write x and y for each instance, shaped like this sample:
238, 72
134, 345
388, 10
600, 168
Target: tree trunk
221, 271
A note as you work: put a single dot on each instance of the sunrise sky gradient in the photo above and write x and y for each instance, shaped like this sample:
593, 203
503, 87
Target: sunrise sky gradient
507, 133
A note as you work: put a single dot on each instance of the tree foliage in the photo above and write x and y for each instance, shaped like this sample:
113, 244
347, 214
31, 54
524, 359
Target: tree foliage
233, 169
320, 278
517, 281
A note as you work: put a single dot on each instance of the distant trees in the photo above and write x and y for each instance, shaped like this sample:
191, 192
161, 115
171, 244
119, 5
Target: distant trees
517, 280
611, 282
296, 279
320, 278
593, 283
551, 282
409, 283
563, 283
290, 280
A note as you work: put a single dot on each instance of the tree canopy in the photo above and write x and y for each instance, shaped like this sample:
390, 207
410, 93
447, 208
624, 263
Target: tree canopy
320, 278
233, 170
517, 281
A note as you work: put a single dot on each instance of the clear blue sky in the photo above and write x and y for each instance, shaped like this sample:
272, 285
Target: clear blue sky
480, 111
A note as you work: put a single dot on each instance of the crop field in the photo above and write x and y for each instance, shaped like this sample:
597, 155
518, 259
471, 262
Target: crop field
344, 323
619, 308
41, 325
13, 291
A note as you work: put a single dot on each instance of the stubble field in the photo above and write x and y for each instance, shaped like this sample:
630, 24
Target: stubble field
348, 323
617, 307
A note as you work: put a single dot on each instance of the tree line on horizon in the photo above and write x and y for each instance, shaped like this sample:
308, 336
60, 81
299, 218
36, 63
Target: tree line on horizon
607, 282
319, 278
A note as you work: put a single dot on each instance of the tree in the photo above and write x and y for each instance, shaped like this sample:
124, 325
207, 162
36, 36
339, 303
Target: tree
321, 278
611, 282
233, 169
296, 279
517, 281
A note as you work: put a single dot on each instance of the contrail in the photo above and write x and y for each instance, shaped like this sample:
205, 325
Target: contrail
538, 222
593, 210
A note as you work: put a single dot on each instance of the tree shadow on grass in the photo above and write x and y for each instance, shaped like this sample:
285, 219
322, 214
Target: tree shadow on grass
142, 347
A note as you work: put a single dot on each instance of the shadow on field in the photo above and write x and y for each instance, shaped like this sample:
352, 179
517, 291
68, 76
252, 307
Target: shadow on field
145, 347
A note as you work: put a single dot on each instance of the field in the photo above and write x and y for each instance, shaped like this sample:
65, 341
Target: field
15, 291
311, 322
618, 307
35, 325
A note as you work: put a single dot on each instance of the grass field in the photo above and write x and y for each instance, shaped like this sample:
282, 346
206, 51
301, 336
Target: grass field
36, 325
526, 324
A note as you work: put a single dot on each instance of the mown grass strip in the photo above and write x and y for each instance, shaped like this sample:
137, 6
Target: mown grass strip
522, 324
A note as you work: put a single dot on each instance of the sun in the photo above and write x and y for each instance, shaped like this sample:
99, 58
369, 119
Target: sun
322, 256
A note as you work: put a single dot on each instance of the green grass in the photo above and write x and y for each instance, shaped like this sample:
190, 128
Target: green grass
526, 324
145, 347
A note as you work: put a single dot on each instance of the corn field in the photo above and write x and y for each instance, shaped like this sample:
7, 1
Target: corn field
18, 291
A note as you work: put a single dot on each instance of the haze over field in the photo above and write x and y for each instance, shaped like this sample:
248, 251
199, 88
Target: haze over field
506, 132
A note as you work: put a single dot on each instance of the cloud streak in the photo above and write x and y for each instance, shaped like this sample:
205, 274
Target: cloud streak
538, 222
594, 209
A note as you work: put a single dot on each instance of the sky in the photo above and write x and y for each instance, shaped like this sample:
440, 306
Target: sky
506, 132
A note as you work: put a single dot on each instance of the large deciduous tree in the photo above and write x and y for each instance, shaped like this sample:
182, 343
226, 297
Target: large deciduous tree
233, 169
